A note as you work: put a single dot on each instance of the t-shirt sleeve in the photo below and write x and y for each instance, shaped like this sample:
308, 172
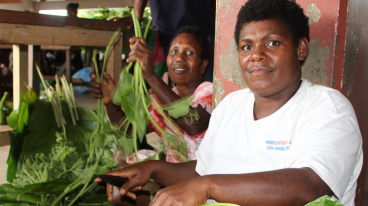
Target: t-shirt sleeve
330, 144
204, 151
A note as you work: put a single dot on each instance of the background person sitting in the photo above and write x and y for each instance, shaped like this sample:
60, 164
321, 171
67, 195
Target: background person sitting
72, 9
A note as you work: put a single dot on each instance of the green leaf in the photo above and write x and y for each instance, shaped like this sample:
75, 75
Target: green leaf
173, 140
8, 188
127, 145
31, 97
42, 117
78, 165
325, 201
123, 85
20, 198
95, 196
87, 118
141, 119
46, 187
12, 119
179, 108
129, 101
16, 142
63, 153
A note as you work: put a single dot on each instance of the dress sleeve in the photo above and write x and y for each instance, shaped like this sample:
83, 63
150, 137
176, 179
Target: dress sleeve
203, 96
330, 144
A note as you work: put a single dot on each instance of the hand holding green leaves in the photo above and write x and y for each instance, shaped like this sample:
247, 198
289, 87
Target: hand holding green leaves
104, 91
142, 54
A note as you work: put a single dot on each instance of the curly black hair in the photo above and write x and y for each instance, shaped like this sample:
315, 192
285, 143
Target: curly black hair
72, 6
287, 12
203, 39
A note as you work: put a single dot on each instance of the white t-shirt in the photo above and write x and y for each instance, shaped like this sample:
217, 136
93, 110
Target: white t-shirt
316, 128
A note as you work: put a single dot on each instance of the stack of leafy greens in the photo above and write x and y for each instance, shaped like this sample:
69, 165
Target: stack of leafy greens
58, 149
107, 14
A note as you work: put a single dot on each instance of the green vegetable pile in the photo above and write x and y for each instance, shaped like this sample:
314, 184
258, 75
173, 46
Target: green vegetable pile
107, 14
59, 148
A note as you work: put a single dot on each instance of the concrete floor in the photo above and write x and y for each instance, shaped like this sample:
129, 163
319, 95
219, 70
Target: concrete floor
86, 100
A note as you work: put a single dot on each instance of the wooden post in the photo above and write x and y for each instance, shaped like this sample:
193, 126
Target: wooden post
67, 65
34, 57
20, 72
114, 61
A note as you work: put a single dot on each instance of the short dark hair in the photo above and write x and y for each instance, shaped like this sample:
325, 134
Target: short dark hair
72, 6
287, 12
202, 38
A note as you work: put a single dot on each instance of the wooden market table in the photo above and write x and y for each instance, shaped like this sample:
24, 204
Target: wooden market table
26, 31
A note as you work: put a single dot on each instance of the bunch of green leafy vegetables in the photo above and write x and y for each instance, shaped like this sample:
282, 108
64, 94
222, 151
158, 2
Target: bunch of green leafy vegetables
58, 149
133, 97
107, 14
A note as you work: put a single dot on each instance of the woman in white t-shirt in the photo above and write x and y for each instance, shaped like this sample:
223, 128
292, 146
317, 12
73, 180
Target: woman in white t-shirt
283, 141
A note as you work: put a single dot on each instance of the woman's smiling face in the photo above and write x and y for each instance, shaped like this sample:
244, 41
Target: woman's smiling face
268, 57
184, 59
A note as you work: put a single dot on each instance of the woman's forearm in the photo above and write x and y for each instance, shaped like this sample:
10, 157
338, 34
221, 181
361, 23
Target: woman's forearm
115, 113
167, 174
167, 96
280, 187
139, 6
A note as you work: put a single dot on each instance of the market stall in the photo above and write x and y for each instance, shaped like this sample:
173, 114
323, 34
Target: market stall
22, 29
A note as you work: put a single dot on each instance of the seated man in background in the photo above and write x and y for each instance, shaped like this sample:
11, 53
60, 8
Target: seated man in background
282, 141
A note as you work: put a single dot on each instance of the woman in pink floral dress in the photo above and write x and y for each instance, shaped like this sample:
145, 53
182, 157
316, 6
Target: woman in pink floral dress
187, 61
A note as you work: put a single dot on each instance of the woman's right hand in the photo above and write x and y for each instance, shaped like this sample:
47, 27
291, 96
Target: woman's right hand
105, 91
138, 175
140, 52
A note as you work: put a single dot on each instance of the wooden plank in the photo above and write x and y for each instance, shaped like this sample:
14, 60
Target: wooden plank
4, 152
68, 66
20, 72
114, 61
34, 57
54, 47
18, 17
41, 35
5, 128
6, 46
83, 4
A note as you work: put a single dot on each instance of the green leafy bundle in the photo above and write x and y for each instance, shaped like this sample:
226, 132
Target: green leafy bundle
58, 149
133, 96
106, 14
325, 201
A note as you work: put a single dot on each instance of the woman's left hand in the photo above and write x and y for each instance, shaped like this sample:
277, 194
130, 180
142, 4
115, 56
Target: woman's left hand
192, 193
142, 54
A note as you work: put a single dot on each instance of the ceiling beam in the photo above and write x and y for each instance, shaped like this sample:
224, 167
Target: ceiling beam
28, 5
83, 4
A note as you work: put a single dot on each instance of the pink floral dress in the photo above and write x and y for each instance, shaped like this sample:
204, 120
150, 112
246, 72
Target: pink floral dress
202, 96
